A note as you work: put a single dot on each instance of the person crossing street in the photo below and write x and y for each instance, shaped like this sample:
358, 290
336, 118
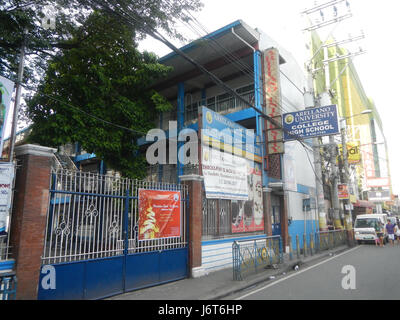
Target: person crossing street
390, 230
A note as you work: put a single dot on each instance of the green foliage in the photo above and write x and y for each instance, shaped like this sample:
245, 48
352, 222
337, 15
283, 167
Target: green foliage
90, 61
16, 16
103, 77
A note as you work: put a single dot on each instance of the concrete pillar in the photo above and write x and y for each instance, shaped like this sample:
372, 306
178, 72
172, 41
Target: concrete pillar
194, 214
28, 223
267, 211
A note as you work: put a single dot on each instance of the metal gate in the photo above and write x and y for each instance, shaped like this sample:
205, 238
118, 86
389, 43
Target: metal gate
92, 247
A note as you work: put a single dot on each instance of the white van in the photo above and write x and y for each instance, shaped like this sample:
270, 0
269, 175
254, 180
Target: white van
364, 227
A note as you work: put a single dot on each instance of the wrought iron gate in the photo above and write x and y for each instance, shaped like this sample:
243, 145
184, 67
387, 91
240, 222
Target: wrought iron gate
92, 242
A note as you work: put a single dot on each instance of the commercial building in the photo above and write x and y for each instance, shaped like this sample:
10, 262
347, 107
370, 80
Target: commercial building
281, 175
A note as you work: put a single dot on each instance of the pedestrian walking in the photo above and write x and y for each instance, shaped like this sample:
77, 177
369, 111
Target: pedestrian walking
397, 233
379, 233
390, 230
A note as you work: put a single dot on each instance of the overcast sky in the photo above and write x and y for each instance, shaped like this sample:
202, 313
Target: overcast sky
378, 69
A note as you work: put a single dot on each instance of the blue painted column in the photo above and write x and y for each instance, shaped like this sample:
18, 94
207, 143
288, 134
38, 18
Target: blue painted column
180, 120
258, 98
204, 97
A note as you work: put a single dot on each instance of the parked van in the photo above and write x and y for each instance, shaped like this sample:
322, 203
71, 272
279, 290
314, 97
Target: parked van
366, 224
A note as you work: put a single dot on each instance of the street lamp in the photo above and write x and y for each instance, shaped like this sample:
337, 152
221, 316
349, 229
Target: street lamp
348, 220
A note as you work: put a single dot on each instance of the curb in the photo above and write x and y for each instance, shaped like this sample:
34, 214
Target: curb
286, 268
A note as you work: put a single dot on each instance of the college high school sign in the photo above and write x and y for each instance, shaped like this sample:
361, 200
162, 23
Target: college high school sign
311, 123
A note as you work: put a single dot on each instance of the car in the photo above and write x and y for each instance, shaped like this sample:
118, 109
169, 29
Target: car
365, 227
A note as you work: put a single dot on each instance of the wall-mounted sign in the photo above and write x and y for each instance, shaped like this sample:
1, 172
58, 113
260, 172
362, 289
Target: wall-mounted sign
225, 175
159, 214
248, 216
368, 161
378, 182
343, 192
353, 152
310, 123
272, 93
6, 185
379, 196
224, 134
309, 204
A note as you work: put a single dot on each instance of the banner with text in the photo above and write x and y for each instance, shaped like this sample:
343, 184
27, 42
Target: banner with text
225, 175
159, 214
222, 133
6, 185
247, 216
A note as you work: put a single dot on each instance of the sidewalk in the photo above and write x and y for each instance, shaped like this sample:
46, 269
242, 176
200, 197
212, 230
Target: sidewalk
220, 284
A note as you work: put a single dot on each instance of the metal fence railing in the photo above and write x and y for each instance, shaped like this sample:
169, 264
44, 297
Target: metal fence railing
8, 286
5, 249
326, 240
94, 216
249, 256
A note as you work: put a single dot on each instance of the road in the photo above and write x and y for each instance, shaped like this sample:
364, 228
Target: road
376, 275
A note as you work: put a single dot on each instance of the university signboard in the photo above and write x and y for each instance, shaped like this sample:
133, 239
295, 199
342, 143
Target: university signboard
310, 123
221, 133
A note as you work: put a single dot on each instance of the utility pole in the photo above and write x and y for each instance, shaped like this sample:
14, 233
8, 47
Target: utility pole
17, 99
310, 102
348, 218
325, 97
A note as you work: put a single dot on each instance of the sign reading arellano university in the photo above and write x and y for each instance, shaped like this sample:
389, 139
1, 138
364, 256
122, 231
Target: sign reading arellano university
310, 123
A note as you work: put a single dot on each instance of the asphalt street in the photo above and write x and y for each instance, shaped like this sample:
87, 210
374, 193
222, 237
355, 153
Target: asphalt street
364, 272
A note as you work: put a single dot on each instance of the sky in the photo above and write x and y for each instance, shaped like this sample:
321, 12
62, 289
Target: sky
378, 68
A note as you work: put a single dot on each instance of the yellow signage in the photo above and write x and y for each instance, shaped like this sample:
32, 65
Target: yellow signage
353, 152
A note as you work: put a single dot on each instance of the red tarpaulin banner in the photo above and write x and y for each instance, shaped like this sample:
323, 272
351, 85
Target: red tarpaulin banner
159, 214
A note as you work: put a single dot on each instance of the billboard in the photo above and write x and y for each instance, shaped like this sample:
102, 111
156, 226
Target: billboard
159, 214
6, 91
310, 123
225, 175
222, 133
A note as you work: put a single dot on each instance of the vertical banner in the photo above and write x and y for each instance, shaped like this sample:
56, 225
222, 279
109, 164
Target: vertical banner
159, 214
272, 92
247, 215
6, 91
6, 185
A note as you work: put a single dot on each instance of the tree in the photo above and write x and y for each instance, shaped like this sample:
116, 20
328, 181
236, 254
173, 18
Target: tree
18, 16
97, 93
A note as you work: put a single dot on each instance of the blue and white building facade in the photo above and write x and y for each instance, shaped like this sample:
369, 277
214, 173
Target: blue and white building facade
278, 184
